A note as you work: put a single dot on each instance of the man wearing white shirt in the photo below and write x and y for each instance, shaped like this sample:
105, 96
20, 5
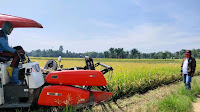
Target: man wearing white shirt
188, 69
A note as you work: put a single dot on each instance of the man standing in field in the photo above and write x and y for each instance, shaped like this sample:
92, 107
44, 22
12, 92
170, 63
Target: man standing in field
188, 69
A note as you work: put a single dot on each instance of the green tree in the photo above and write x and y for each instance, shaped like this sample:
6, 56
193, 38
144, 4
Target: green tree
134, 53
112, 52
106, 54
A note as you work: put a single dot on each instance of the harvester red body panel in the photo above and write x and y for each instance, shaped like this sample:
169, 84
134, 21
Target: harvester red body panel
58, 95
77, 77
100, 96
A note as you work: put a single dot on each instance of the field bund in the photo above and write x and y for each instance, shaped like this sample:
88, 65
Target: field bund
131, 76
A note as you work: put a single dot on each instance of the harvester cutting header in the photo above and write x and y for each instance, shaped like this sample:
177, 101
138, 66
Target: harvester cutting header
24, 84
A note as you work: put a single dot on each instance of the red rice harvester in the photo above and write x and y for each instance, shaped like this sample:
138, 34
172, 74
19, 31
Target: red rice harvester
69, 86
60, 90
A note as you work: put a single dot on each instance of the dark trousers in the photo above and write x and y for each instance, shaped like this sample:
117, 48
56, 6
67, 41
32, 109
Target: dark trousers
15, 56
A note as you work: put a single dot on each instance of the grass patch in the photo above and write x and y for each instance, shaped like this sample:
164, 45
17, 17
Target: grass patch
181, 100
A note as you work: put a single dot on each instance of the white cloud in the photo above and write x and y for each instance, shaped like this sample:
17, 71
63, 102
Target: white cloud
146, 38
150, 38
103, 24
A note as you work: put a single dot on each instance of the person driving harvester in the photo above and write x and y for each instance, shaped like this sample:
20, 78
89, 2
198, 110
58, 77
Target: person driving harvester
7, 51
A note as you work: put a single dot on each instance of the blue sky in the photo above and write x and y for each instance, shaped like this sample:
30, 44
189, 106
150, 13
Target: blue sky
97, 25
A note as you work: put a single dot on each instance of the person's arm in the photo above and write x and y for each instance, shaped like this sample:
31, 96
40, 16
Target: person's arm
193, 66
4, 43
182, 68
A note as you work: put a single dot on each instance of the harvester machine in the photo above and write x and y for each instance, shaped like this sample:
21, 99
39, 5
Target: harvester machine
57, 87
73, 86
54, 85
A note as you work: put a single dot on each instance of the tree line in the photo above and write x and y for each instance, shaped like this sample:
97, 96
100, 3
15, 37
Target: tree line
114, 53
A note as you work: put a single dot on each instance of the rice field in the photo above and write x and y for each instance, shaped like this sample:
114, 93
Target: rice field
131, 76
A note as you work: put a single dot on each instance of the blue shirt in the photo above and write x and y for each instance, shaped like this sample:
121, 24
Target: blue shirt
4, 45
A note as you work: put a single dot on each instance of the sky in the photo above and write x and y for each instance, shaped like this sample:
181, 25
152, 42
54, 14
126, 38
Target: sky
97, 25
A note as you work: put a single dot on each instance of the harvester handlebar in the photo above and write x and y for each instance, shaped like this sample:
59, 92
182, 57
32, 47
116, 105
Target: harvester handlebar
24, 55
107, 68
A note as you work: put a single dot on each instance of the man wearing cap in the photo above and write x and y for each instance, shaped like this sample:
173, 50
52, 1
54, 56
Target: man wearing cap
188, 69
7, 51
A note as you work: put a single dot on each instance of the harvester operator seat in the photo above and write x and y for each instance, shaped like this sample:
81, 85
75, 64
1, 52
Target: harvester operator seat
4, 59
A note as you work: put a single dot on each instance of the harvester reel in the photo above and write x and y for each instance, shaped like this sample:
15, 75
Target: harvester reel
51, 64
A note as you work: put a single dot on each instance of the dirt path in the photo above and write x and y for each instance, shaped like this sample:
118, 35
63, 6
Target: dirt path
138, 103
196, 105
